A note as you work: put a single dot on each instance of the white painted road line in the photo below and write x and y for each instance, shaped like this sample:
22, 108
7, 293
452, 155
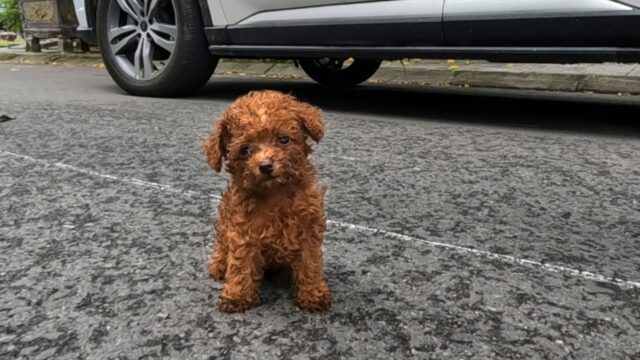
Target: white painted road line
349, 158
504, 258
356, 228
132, 181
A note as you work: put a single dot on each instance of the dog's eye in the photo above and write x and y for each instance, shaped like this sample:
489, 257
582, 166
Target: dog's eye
244, 151
283, 140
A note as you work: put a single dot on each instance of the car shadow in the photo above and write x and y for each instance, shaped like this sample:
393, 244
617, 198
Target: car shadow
581, 113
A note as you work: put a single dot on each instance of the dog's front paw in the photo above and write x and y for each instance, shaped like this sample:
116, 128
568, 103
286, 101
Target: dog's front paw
314, 298
217, 270
237, 305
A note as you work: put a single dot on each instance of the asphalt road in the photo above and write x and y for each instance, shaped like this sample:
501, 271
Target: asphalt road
462, 225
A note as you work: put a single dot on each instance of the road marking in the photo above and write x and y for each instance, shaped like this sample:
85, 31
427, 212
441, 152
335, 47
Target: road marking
349, 158
504, 258
132, 181
356, 228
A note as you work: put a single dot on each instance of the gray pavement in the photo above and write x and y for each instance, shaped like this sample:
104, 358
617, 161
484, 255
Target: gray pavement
463, 224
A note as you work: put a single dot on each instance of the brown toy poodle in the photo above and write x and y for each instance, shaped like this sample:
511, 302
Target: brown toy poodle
272, 214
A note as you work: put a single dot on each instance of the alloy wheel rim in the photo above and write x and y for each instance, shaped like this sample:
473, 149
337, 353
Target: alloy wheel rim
142, 36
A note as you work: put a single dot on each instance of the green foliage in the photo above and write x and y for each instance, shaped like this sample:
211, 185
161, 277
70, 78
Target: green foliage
10, 15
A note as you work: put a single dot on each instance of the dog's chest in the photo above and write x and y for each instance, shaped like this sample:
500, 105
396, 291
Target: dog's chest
279, 225
275, 229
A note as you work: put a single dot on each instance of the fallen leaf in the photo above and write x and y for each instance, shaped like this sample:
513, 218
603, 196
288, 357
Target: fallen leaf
5, 118
450, 61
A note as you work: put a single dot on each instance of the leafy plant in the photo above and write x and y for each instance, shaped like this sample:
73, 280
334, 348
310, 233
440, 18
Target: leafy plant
10, 15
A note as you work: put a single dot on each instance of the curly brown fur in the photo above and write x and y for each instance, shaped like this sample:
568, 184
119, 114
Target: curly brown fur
268, 220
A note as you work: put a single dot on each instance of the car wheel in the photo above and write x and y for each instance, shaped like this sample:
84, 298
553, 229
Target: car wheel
154, 47
339, 71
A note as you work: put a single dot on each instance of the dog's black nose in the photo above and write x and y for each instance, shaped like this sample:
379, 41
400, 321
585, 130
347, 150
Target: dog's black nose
266, 168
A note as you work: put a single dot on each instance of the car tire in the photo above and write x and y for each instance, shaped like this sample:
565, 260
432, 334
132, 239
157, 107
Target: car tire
156, 52
332, 71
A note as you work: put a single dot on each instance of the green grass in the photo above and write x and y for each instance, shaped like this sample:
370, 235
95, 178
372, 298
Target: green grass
5, 43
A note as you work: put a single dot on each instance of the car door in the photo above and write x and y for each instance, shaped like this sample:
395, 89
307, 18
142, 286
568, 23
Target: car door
524, 23
238, 10
334, 22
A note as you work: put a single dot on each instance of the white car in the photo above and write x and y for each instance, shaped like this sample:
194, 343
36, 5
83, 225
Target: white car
171, 47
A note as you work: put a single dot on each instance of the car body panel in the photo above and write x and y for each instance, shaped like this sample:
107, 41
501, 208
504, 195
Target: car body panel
238, 10
382, 23
362, 12
541, 23
634, 3
217, 13
529, 8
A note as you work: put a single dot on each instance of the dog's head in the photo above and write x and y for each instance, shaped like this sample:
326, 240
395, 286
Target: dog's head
262, 139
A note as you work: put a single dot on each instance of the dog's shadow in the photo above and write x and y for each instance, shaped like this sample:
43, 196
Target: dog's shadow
276, 285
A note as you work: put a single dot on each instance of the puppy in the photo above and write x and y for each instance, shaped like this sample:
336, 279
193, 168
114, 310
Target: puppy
272, 213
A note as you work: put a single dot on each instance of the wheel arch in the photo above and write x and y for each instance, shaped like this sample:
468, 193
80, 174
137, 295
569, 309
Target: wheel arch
89, 35
205, 12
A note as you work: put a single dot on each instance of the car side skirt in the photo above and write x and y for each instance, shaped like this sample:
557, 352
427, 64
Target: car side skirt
512, 54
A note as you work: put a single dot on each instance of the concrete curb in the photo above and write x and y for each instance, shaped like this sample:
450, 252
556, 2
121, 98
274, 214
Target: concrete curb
49, 58
579, 78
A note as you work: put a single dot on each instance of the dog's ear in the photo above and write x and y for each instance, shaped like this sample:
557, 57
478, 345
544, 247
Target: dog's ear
215, 147
311, 118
